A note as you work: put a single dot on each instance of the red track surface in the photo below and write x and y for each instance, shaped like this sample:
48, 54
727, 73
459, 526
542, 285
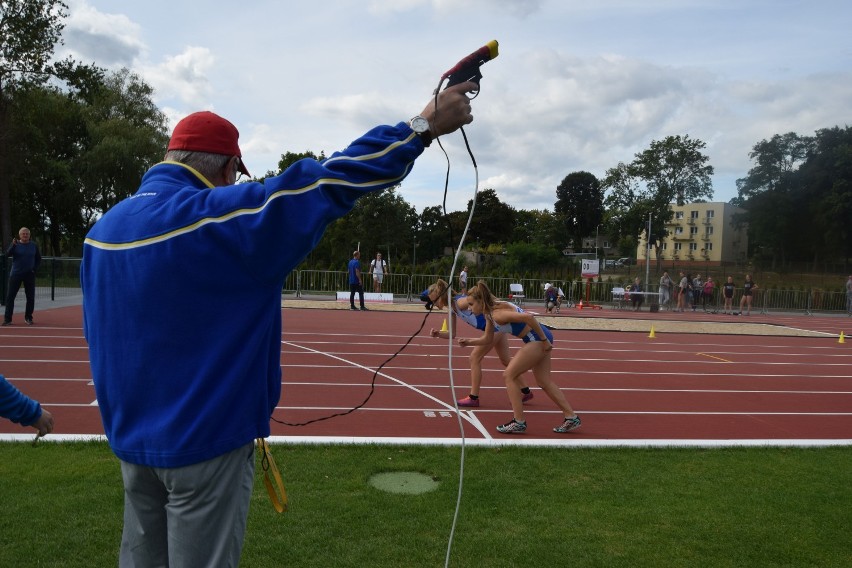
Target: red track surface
627, 387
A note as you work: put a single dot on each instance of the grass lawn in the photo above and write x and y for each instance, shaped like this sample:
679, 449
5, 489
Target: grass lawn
61, 505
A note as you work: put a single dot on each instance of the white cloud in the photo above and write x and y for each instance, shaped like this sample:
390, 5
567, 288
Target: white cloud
183, 77
577, 86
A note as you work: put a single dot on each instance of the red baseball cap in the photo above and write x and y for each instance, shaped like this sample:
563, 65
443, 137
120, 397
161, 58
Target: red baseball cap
207, 132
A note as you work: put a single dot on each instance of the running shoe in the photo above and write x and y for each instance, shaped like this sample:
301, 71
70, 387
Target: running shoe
29, 321
512, 427
364, 309
567, 425
467, 401
527, 396
353, 308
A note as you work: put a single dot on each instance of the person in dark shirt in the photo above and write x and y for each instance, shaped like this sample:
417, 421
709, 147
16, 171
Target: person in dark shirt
25, 261
748, 293
728, 291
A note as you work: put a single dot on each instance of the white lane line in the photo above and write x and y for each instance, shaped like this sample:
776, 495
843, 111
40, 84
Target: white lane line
491, 442
438, 401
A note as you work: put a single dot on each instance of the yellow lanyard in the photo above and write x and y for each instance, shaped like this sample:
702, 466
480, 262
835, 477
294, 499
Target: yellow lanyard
267, 462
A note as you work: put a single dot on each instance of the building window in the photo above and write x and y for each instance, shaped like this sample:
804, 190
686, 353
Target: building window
693, 214
678, 214
665, 246
693, 247
678, 230
693, 231
606, 244
677, 247
710, 213
708, 247
708, 230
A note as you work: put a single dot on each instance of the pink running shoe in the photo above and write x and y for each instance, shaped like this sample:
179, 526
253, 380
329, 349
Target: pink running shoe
467, 401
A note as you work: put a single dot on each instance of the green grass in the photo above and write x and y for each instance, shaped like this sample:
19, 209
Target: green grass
61, 505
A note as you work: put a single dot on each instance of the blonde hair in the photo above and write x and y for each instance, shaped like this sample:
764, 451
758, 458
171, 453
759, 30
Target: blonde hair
440, 286
482, 294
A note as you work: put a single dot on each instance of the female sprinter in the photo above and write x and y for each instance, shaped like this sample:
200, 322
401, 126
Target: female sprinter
535, 355
436, 296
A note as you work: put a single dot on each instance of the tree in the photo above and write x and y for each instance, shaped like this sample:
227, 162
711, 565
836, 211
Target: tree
50, 129
579, 206
492, 219
538, 226
382, 220
671, 170
825, 192
80, 150
768, 192
675, 170
127, 134
29, 31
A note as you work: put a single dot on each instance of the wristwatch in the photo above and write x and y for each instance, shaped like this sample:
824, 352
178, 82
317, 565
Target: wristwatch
420, 126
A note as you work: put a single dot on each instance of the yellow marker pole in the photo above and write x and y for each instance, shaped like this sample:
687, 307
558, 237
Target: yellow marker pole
842, 338
444, 326
652, 335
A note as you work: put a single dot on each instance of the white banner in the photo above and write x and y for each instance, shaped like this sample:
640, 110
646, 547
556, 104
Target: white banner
590, 268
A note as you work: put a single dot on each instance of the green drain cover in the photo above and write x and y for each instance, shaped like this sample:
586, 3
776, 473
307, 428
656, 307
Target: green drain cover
405, 482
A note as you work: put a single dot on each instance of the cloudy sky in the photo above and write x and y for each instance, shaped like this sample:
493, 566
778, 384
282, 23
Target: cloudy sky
578, 85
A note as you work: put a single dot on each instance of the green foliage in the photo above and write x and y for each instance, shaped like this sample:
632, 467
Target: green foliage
579, 206
29, 31
673, 170
798, 197
79, 151
522, 257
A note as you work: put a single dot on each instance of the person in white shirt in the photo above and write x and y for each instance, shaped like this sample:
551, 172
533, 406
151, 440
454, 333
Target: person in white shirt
378, 268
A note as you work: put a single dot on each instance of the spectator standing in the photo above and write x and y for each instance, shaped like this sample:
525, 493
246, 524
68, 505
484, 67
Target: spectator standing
25, 261
748, 293
666, 290
707, 293
682, 292
356, 283
463, 280
378, 268
728, 291
697, 291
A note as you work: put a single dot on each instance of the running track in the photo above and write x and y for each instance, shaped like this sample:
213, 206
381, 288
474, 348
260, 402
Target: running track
630, 389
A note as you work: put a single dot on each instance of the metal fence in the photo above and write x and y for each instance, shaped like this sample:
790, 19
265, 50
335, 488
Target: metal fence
59, 279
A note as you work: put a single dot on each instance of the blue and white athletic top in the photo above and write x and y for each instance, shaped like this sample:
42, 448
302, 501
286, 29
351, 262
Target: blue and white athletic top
477, 321
516, 328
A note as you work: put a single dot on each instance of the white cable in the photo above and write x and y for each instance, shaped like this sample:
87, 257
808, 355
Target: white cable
450, 311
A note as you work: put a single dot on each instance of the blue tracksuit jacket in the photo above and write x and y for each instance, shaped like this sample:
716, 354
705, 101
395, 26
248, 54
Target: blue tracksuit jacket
182, 295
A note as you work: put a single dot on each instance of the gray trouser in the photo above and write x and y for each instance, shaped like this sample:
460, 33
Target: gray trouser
193, 516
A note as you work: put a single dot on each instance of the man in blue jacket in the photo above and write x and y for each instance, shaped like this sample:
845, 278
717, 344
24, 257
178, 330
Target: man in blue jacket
182, 312
25, 262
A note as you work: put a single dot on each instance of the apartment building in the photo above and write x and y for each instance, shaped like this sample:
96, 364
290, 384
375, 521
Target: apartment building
701, 233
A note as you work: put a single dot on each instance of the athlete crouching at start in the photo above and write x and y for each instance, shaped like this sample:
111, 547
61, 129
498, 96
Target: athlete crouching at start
535, 355
436, 296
